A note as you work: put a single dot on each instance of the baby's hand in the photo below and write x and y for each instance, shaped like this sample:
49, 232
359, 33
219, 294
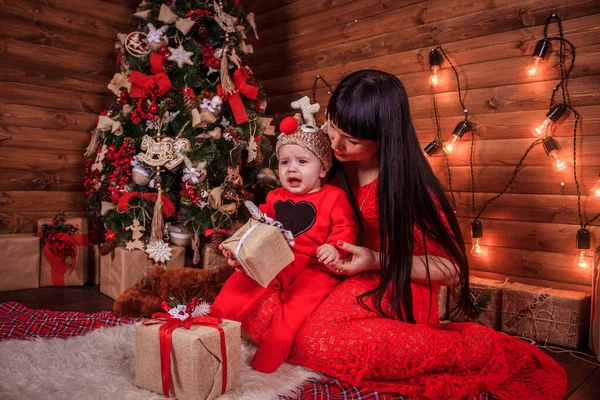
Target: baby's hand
328, 255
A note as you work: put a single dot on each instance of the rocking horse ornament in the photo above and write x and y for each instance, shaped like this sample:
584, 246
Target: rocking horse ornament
161, 152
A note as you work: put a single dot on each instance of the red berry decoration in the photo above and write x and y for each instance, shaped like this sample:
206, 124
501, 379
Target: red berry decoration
153, 109
124, 98
190, 192
164, 51
288, 125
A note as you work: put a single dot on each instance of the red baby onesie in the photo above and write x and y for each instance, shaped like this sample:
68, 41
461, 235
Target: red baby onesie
314, 219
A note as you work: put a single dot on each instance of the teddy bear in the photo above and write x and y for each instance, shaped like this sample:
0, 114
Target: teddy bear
144, 299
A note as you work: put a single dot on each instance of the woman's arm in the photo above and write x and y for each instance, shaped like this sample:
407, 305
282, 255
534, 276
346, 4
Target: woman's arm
442, 271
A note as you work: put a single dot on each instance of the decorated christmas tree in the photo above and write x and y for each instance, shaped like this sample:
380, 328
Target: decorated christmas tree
183, 144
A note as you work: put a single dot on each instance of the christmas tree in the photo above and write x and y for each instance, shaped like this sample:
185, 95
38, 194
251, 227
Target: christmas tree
184, 142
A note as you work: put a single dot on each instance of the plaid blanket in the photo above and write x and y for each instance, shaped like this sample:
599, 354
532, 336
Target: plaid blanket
20, 322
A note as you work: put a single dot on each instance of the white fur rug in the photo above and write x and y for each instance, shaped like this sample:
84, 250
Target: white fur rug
101, 365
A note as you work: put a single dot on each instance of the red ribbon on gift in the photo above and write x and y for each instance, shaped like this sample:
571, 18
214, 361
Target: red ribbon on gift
165, 333
209, 232
141, 83
168, 208
59, 268
240, 77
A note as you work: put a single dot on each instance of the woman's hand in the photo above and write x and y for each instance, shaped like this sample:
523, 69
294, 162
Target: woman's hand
230, 259
360, 259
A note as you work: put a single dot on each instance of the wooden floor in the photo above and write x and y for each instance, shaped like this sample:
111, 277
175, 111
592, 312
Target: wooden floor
584, 378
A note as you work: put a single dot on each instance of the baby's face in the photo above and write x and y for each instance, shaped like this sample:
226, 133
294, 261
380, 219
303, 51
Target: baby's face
300, 171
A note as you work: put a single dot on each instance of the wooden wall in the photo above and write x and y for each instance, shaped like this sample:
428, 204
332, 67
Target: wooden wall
530, 231
56, 58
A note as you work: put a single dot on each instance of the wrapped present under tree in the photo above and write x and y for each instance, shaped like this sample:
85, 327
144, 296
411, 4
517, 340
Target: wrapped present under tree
20, 261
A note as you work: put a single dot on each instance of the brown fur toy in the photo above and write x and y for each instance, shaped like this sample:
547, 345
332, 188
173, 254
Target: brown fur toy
143, 300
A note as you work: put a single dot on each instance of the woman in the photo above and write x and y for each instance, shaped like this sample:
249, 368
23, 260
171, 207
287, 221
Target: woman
379, 328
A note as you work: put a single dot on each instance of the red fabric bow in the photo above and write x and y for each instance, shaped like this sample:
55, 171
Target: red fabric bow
209, 232
168, 208
169, 324
141, 83
235, 100
57, 266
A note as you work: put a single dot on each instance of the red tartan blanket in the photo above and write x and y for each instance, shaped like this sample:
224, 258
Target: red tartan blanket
20, 322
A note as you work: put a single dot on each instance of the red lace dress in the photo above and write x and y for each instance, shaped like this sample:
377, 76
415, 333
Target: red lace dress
423, 360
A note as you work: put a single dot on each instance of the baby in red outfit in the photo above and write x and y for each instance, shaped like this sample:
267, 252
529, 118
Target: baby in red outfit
318, 216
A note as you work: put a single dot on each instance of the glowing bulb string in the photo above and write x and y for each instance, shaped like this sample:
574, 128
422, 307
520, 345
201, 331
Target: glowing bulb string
438, 134
314, 87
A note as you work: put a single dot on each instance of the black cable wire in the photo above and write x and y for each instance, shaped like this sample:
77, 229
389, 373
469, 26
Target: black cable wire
438, 134
511, 180
472, 172
460, 98
314, 87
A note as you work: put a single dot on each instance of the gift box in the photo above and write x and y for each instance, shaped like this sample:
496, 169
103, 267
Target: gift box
261, 250
95, 258
74, 272
559, 317
122, 268
594, 342
204, 361
487, 298
20, 265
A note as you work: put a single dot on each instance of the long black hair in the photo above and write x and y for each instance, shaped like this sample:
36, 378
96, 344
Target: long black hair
373, 105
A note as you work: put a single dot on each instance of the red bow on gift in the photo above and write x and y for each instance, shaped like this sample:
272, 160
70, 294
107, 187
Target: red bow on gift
169, 324
168, 208
57, 266
141, 83
235, 100
209, 232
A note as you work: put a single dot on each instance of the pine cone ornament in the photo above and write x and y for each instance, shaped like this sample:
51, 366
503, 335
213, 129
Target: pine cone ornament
215, 240
169, 103
260, 157
202, 31
103, 192
115, 109
189, 101
109, 246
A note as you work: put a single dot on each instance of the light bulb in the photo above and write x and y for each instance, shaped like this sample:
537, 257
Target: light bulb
477, 249
541, 130
582, 260
557, 164
532, 69
434, 79
595, 190
449, 145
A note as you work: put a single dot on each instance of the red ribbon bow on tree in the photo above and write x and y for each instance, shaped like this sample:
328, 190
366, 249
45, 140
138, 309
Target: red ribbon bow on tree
169, 324
141, 83
168, 208
235, 100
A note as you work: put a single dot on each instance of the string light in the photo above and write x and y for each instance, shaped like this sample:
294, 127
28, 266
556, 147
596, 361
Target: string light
477, 248
461, 128
552, 148
432, 147
552, 116
435, 61
595, 190
541, 48
583, 244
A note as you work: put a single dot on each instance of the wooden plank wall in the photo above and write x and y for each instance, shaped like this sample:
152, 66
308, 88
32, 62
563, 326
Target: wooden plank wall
530, 231
56, 58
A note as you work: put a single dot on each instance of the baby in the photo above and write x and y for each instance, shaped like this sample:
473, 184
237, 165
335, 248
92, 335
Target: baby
318, 216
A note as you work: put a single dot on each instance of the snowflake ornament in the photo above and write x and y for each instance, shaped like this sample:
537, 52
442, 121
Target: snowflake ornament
181, 56
159, 251
169, 117
157, 35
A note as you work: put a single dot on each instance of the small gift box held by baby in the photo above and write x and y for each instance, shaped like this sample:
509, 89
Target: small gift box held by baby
287, 252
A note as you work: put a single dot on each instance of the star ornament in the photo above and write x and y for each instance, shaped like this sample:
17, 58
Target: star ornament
181, 56
156, 35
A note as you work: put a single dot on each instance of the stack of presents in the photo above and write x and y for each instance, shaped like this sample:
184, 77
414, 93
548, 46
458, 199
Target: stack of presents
188, 354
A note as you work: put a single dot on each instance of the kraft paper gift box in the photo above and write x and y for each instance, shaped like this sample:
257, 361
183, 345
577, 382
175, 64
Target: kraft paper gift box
594, 342
19, 261
196, 364
211, 259
95, 258
121, 268
55, 274
553, 316
261, 250
491, 314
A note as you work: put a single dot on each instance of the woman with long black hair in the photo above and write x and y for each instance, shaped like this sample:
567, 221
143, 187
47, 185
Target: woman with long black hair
380, 328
